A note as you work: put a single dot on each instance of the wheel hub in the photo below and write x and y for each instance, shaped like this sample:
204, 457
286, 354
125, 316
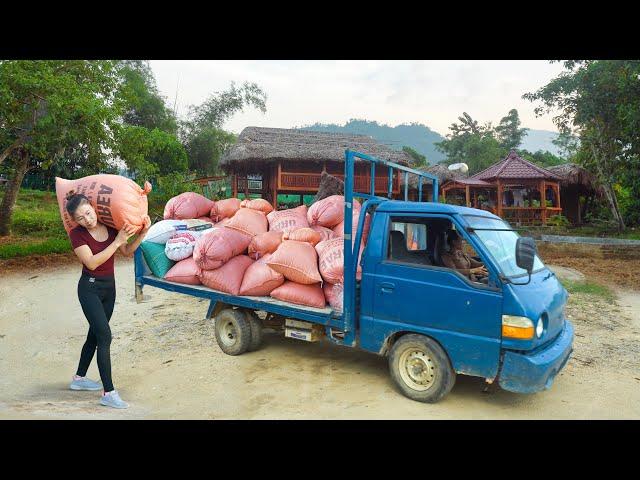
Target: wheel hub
417, 370
229, 333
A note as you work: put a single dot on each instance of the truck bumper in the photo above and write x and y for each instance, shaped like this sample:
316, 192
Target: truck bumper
534, 372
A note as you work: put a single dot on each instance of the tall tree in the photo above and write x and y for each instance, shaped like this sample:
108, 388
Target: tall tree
567, 144
472, 144
46, 106
419, 160
508, 131
598, 99
202, 132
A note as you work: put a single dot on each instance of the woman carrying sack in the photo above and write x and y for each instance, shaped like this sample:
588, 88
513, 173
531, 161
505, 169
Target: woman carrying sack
95, 244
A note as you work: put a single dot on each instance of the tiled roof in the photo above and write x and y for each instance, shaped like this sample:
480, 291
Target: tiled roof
516, 167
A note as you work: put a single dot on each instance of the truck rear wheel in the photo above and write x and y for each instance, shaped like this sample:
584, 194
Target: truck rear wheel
233, 331
421, 368
256, 329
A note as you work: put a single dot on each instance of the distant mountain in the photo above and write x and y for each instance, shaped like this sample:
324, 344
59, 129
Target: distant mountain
415, 135
540, 140
421, 138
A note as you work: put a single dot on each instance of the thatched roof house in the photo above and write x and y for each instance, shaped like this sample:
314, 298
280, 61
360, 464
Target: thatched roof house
577, 186
291, 161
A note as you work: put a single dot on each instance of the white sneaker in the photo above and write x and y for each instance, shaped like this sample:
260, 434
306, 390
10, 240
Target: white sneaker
83, 383
112, 399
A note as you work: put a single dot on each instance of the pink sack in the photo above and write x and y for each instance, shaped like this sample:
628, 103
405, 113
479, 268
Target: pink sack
281, 220
331, 260
187, 205
117, 200
226, 208
222, 222
248, 221
259, 204
303, 235
264, 243
334, 295
329, 211
297, 261
228, 277
260, 279
325, 233
185, 271
217, 246
310, 295
206, 219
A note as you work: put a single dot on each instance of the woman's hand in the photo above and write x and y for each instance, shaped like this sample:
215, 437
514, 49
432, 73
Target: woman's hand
125, 234
482, 271
147, 224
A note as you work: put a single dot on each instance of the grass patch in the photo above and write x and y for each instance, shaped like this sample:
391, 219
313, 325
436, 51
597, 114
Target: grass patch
23, 248
36, 226
589, 288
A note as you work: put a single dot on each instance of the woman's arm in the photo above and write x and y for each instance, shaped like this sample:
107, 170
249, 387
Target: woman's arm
128, 249
91, 261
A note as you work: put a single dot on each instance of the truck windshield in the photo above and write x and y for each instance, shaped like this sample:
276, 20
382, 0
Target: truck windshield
500, 241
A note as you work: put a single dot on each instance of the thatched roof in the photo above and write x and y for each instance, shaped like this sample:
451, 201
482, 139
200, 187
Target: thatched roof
439, 170
263, 145
572, 174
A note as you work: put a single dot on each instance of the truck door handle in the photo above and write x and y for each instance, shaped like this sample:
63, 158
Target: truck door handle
387, 287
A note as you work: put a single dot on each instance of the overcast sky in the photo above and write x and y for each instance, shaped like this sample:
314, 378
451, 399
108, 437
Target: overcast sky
392, 92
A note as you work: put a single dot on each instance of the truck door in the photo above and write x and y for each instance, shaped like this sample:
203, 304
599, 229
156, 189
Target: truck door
414, 295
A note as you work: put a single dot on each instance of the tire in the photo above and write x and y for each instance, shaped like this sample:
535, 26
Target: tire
431, 377
256, 330
233, 331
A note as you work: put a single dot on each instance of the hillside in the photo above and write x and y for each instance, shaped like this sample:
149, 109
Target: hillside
421, 138
415, 135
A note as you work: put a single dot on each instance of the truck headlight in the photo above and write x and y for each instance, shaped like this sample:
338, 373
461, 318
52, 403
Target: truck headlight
539, 327
517, 327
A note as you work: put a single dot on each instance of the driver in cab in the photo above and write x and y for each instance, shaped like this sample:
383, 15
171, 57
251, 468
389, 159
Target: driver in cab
457, 259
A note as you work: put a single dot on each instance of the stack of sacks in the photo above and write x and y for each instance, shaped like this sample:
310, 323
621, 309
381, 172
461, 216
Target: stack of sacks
298, 263
170, 241
221, 254
188, 205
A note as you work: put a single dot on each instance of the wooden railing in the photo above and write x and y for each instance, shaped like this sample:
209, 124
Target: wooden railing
529, 215
307, 182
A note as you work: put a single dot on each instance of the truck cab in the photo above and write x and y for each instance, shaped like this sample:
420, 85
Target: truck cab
435, 320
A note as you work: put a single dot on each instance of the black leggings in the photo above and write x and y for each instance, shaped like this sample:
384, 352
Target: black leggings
97, 296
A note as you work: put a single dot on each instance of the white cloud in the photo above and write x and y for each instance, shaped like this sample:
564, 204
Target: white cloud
304, 92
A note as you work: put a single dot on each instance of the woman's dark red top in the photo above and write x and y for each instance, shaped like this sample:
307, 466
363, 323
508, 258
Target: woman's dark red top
81, 236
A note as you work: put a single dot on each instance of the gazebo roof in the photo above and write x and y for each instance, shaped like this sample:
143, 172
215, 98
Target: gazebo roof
514, 167
259, 144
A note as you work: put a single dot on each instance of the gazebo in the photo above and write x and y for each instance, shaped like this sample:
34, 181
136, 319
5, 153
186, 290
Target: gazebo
273, 161
514, 189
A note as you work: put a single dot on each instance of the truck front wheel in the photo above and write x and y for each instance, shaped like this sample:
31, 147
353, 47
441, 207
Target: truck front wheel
421, 368
233, 331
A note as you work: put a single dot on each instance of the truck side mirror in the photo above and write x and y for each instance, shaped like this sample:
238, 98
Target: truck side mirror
525, 253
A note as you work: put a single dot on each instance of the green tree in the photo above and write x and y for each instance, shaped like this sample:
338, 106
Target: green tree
419, 160
508, 131
472, 144
600, 99
568, 144
46, 106
145, 106
542, 158
202, 133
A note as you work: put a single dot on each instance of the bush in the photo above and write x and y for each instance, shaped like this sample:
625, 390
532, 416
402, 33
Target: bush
558, 221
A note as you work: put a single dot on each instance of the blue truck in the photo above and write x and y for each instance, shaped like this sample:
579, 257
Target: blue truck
507, 325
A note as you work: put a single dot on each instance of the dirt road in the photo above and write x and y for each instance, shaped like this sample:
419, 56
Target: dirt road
167, 365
